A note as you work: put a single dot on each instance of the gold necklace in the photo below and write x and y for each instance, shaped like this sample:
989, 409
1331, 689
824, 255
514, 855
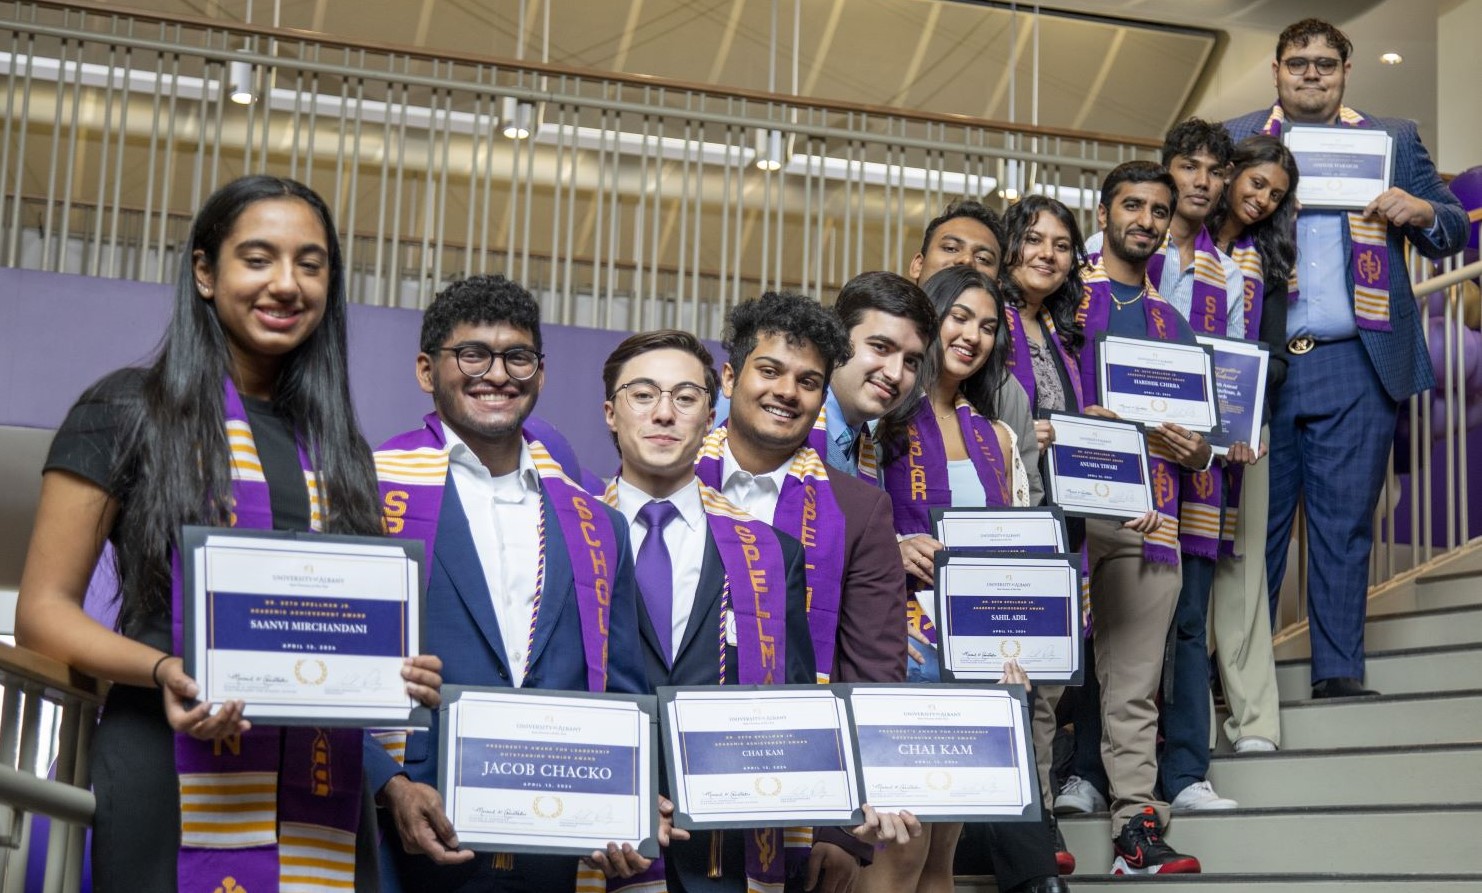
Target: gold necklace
1130, 301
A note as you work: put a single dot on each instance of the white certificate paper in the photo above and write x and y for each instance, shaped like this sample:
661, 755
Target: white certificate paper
1142, 380
302, 629
549, 773
1038, 529
759, 756
1240, 369
1098, 467
991, 609
1341, 167
945, 752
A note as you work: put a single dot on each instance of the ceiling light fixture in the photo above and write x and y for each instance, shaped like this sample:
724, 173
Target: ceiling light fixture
519, 117
1391, 58
239, 77
771, 150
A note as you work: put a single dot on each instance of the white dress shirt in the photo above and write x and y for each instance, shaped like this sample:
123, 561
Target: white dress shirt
685, 538
504, 515
756, 493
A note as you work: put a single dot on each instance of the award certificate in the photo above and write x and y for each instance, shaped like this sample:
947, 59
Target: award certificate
991, 609
1038, 529
1240, 384
947, 753
1142, 380
752, 756
1341, 167
548, 772
304, 628
1098, 467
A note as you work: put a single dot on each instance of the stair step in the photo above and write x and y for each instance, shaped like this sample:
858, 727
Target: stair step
1411, 629
1387, 776
1448, 590
1420, 839
1410, 671
1387, 721
1266, 883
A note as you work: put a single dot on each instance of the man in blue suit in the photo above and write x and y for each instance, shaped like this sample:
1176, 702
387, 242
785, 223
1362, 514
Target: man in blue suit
530, 580
1357, 350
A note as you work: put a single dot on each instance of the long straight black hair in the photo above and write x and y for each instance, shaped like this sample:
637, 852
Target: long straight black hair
1062, 304
980, 389
1276, 236
174, 462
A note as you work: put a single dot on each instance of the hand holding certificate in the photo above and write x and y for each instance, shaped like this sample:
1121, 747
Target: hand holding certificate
1142, 380
993, 609
1099, 467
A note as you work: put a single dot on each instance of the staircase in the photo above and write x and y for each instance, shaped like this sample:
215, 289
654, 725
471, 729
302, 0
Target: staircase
1365, 795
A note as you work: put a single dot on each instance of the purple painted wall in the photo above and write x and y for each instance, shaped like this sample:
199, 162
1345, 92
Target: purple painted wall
59, 333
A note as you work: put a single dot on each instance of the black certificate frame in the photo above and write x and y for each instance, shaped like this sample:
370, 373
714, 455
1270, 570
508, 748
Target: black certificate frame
648, 847
1054, 512
1245, 347
1211, 399
1052, 478
194, 537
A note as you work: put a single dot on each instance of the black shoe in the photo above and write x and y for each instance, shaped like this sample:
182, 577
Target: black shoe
1064, 858
1341, 687
1140, 849
1042, 885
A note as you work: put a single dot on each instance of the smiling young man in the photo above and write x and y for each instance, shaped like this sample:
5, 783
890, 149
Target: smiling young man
530, 578
1356, 349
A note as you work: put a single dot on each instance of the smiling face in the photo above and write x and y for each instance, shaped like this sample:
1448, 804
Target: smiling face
776, 395
659, 446
489, 409
269, 282
1044, 258
1311, 97
1137, 220
1200, 178
969, 331
961, 240
882, 373
1256, 192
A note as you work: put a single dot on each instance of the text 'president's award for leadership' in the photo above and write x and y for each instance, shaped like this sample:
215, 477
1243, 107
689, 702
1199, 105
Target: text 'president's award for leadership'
549, 772
305, 629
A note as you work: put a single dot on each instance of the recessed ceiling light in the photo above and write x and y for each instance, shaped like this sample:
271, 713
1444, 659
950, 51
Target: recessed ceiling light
1391, 58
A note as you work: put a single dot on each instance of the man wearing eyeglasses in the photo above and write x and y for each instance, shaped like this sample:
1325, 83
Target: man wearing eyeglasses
1356, 350
529, 577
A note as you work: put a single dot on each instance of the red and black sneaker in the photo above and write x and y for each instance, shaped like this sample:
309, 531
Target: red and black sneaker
1064, 858
1140, 849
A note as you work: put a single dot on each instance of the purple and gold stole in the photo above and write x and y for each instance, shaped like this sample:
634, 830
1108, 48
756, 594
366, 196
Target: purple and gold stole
1208, 312
1252, 270
1161, 546
755, 592
1021, 364
806, 510
273, 808
1368, 255
917, 480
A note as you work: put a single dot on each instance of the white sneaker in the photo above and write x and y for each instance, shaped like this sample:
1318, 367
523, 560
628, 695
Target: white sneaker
1198, 796
1254, 744
1079, 796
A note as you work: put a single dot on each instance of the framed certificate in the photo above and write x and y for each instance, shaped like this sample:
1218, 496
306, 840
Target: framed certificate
948, 753
528, 771
754, 756
1341, 167
1037, 529
995, 608
1143, 380
1098, 467
305, 629
1240, 385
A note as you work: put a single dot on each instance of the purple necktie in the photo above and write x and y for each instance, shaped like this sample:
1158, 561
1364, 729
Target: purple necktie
655, 573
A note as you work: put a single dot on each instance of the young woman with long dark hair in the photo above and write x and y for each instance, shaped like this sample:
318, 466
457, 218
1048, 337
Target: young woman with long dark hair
242, 419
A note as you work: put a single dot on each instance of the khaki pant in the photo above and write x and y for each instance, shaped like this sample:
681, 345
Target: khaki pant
1240, 618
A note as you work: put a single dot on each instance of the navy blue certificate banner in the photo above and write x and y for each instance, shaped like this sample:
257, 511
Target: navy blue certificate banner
1341, 167
305, 629
1240, 384
1039, 529
1150, 381
754, 756
1098, 468
565, 773
994, 608
948, 753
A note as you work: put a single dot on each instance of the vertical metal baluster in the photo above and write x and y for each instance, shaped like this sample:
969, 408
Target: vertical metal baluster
697, 299
558, 189
614, 218
12, 119
486, 248
475, 170
434, 217
112, 264
729, 171
568, 250
167, 179
313, 124
602, 307
51, 168
659, 297
150, 159
381, 289
94, 250
528, 148
398, 192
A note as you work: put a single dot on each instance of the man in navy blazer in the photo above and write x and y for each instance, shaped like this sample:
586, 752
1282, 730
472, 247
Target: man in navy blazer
502, 603
1352, 362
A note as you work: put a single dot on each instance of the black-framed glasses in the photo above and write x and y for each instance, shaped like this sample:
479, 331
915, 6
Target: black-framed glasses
475, 360
644, 396
1296, 66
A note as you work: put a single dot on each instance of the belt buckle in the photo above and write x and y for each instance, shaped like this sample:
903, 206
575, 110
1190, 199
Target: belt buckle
1301, 344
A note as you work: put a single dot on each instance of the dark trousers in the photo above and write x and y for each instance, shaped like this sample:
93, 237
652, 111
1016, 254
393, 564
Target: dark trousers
1185, 712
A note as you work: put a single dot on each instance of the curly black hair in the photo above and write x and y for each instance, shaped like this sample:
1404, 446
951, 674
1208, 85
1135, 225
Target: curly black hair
798, 318
1189, 136
1300, 34
479, 300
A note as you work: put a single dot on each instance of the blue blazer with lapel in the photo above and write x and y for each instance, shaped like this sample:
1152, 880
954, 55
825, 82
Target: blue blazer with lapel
1400, 356
460, 626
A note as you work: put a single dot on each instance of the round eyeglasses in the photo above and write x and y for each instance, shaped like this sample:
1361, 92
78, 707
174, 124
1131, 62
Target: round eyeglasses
475, 360
644, 396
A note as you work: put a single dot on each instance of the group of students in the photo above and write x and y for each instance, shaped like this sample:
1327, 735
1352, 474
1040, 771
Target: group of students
767, 525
